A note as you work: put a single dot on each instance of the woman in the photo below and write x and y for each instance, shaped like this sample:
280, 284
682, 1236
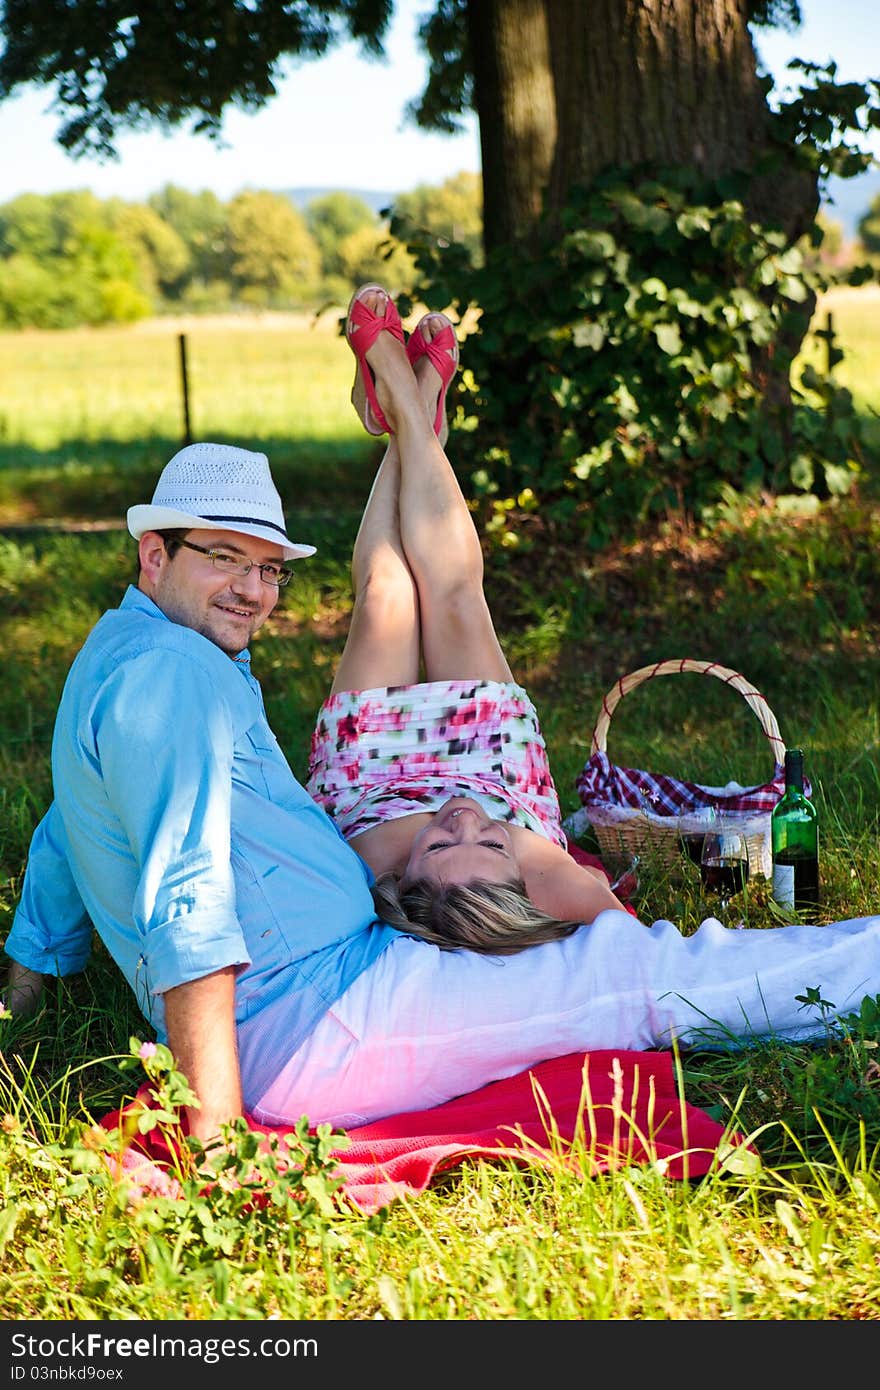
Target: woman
427, 754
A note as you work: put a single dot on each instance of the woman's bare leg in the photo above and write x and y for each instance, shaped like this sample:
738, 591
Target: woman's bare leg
417, 565
439, 539
382, 647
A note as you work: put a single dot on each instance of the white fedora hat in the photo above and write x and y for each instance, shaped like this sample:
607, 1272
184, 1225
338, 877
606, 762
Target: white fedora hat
210, 487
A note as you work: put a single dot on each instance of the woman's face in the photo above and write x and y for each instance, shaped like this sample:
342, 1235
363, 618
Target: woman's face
461, 843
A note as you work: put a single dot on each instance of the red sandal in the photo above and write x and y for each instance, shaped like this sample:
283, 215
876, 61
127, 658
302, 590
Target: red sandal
438, 350
362, 328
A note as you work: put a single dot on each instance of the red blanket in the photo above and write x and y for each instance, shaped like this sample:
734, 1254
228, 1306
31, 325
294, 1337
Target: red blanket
598, 1110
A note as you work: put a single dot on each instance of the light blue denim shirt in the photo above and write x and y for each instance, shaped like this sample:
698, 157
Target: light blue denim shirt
180, 832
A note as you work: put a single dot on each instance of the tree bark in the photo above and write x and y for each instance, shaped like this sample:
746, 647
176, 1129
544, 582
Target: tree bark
514, 98
659, 81
567, 88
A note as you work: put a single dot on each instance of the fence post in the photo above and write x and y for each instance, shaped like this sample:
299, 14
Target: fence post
184, 386
829, 343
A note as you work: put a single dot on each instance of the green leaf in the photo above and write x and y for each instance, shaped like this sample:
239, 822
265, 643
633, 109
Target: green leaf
801, 472
691, 308
588, 335
791, 261
723, 374
653, 219
597, 246
668, 337
317, 1189
838, 479
794, 289
8, 1219
719, 407
738, 1159
788, 1220
693, 223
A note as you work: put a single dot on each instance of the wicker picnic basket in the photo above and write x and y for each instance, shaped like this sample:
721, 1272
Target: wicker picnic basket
633, 812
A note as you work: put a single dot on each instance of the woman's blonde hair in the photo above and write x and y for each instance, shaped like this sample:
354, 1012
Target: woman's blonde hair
495, 919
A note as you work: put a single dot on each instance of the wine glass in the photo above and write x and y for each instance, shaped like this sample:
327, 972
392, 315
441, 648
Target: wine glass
692, 832
724, 862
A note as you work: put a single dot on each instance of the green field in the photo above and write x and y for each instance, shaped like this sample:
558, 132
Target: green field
787, 594
275, 376
265, 376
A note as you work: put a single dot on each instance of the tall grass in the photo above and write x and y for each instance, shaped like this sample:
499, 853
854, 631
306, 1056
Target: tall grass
790, 596
248, 378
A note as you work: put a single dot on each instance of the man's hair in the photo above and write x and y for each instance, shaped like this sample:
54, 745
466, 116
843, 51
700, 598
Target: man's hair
172, 539
494, 919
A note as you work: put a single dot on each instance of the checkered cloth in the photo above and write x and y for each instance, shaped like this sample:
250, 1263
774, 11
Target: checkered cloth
601, 784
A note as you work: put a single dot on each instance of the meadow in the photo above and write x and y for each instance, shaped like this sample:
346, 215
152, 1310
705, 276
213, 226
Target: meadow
787, 592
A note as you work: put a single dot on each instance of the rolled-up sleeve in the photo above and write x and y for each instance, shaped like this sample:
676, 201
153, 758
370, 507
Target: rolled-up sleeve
51, 931
171, 791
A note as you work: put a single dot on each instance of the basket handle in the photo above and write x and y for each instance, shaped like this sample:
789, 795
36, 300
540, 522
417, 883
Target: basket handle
753, 698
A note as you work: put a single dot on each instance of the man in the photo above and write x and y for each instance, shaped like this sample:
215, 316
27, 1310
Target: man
220, 888
245, 925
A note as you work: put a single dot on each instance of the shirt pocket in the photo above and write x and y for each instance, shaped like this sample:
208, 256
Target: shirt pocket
261, 767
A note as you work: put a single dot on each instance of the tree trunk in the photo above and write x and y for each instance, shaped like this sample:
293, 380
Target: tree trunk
566, 88
513, 94
664, 81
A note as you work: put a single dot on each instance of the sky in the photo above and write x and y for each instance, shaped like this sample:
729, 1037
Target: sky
337, 122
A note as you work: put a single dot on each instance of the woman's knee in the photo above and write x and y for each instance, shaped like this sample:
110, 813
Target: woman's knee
386, 598
460, 599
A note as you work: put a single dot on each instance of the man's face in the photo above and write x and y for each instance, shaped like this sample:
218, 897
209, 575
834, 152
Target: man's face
226, 608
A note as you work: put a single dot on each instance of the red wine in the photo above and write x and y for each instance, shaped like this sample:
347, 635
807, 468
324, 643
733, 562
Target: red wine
796, 879
724, 876
692, 846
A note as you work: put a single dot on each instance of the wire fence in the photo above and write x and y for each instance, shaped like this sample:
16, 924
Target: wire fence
278, 377
263, 377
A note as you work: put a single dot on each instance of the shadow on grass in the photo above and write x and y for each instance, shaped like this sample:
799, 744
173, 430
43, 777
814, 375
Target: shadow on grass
87, 482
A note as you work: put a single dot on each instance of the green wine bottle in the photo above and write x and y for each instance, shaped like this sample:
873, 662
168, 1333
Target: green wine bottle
794, 833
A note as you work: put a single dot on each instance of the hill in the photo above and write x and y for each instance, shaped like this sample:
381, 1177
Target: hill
846, 201
373, 199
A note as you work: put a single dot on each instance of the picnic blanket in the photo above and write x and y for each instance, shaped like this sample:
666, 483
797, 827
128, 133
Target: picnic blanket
600, 1110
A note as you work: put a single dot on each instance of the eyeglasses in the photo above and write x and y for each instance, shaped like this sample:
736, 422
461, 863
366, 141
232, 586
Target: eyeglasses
276, 575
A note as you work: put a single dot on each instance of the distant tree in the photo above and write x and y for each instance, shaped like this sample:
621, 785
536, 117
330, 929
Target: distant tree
28, 226
43, 225
599, 122
102, 272
65, 264
869, 228
449, 212
199, 219
371, 253
32, 295
274, 258
160, 253
333, 217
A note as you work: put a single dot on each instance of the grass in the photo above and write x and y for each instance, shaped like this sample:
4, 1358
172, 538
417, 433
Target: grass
790, 597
